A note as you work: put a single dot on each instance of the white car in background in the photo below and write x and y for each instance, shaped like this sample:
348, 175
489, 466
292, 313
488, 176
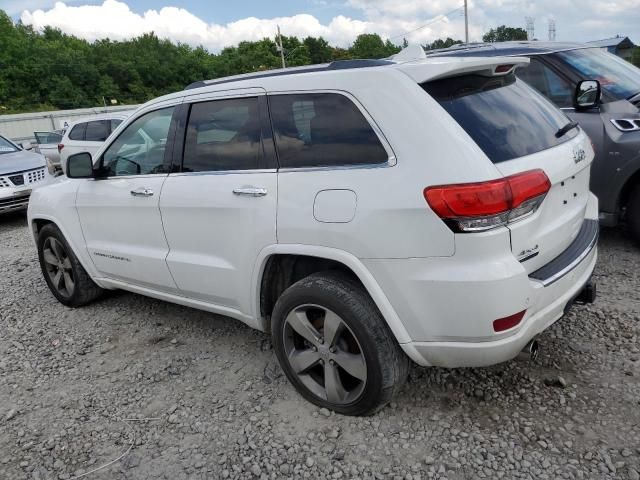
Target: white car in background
88, 134
20, 172
363, 212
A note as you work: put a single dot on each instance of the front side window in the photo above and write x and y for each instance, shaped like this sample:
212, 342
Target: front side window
77, 132
323, 129
140, 147
505, 117
6, 146
547, 82
617, 76
97, 131
223, 135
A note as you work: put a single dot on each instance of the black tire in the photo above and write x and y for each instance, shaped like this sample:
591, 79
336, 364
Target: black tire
81, 289
386, 364
633, 214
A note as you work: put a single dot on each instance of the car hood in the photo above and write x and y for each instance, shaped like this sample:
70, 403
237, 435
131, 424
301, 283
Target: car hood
20, 161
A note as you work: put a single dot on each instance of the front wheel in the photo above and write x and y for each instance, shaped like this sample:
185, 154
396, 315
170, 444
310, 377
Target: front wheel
65, 276
633, 213
335, 347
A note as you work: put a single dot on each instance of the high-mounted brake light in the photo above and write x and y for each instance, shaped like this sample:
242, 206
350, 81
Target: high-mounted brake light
60, 147
473, 207
503, 68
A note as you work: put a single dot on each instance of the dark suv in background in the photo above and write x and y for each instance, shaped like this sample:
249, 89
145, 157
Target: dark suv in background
613, 126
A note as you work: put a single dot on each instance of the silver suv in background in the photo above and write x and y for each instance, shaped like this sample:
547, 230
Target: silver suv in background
614, 125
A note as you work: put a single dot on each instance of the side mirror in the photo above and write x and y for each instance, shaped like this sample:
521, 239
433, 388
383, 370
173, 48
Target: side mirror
26, 145
80, 165
587, 95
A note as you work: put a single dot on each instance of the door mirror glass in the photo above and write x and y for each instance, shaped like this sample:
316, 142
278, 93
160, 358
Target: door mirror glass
80, 165
587, 94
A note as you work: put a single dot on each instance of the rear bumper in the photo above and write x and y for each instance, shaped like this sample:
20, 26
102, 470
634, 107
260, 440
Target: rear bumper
448, 305
554, 299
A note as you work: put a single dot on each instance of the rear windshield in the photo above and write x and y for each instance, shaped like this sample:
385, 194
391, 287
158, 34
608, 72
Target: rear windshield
504, 116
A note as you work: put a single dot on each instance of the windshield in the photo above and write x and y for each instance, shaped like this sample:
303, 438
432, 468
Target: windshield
503, 115
6, 146
617, 76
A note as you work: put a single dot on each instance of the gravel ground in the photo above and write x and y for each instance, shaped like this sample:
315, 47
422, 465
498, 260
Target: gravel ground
187, 394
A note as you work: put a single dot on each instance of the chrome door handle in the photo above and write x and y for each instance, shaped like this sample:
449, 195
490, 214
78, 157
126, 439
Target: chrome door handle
250, 191
142, 192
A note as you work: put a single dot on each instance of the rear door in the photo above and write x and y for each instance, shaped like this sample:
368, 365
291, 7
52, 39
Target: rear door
520, 130
219, 208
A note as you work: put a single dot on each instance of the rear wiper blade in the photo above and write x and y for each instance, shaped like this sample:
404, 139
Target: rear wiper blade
569, 126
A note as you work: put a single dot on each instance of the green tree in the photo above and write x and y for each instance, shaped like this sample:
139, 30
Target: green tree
635, 57
370, 45
319, 50
504, 34
439, 43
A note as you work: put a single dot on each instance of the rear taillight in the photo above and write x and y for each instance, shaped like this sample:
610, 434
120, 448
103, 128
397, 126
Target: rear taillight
60, 147
474, 207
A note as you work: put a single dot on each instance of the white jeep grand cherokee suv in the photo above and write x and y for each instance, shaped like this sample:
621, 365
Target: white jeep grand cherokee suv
363, 212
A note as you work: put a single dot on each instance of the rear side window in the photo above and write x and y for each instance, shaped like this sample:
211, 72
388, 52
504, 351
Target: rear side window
77, 132
504, 116
223, 135
97, 131
323, 129
114, 123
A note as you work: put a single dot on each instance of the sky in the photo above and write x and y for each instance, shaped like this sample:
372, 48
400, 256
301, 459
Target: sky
216, 24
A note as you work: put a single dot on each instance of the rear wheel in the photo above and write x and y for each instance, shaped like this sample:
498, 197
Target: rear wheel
335, 347
65, 276
633, 213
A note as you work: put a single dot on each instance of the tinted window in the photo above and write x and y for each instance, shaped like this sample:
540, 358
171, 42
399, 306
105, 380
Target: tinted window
323, 129
617, 76
77, 132
140, 147
114, 123
223, 135
97, 131
548, 83
504, 116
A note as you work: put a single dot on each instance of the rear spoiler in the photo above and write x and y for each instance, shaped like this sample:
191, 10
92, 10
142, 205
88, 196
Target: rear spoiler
443, 67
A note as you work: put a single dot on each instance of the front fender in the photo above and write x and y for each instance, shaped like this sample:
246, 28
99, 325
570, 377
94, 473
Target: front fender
347, 259
56, 203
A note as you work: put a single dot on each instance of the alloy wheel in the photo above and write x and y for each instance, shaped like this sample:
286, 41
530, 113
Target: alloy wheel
324, 354
58, 266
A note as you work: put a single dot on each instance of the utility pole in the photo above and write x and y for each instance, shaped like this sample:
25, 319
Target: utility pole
281, 48
466, 23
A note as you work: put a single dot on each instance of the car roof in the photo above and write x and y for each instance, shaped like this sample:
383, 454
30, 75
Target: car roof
514, 48
121, 115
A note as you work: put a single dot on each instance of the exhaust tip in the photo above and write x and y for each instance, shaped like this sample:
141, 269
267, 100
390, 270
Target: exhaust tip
530, 351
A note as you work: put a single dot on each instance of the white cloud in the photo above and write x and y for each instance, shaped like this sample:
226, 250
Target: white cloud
578, 20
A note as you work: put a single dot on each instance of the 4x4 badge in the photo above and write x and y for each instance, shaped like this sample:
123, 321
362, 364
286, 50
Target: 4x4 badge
578, 155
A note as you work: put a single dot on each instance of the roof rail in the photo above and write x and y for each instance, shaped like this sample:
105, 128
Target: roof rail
335, 65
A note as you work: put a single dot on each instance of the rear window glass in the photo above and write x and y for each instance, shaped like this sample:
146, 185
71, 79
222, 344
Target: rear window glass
77, 132
504, 116
97, 131
323, 129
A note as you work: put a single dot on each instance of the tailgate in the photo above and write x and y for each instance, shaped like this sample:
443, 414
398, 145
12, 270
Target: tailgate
540, 238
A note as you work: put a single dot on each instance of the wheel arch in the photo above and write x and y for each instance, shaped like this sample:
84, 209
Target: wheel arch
270, 283
625, 192
38, 222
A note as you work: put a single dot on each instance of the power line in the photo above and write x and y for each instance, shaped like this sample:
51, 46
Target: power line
435, 20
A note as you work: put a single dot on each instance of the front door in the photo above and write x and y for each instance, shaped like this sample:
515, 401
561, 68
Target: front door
119, 211
219, 211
